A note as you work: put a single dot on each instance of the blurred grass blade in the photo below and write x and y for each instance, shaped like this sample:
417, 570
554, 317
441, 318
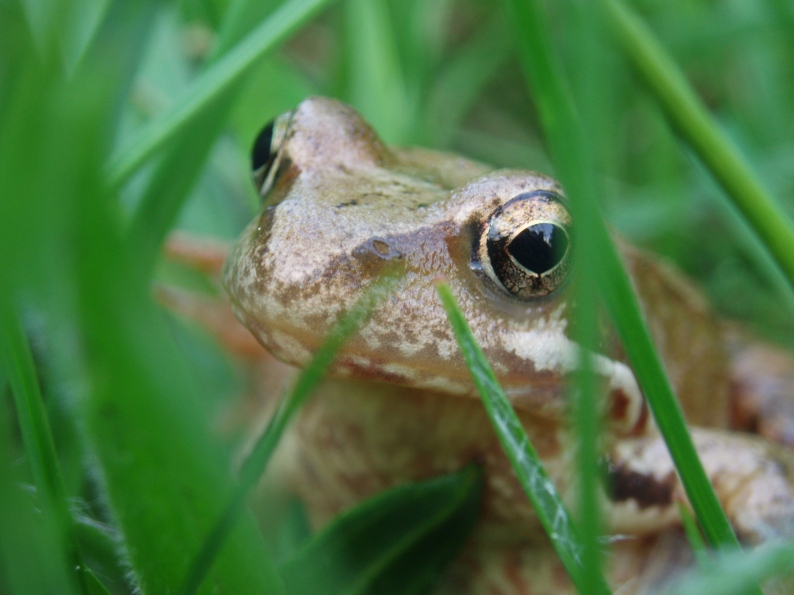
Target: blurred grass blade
254, 466
738, 573
542, 494
376, 81
397, 542
241, 16
460, 84
164, 475
37, 437
211, 84
93, 586
560, 121
176, 174
693, 535
294, 530
82, 23
41, 18
174, 177
99, 544
32, 557
693, 122
590, 79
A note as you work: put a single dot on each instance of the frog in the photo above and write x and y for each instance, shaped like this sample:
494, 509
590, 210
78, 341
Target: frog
339, 207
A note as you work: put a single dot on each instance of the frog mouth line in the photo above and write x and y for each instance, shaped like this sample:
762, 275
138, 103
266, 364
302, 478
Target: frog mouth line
543, 396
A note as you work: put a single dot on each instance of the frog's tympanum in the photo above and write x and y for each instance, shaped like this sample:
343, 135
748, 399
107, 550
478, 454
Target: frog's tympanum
339, 206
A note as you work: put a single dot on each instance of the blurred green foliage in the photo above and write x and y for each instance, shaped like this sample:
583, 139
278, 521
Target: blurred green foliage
130, 392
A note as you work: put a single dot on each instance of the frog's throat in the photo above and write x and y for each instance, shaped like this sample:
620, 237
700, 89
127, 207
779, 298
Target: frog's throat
555, 353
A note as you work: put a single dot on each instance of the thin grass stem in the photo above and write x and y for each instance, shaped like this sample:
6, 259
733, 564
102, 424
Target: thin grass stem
17, 360
253, 467
211, 84
551, 511
561, 123
691, 119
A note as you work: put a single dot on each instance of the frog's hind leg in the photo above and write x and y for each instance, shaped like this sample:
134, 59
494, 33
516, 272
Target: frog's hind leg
215, 316
204, 255
211, 312
753, 479
762, 386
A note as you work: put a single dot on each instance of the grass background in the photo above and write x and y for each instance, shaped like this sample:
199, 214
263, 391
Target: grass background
129, 394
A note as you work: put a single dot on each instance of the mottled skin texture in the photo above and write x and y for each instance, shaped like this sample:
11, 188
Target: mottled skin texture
400, 405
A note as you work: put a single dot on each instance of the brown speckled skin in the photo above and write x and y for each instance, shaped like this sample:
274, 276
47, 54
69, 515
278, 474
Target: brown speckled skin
401, 405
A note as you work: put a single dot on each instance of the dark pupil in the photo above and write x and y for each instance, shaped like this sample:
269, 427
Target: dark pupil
260, 154
539, 247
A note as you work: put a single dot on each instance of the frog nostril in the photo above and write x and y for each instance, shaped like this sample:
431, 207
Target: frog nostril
384, 249
380, 247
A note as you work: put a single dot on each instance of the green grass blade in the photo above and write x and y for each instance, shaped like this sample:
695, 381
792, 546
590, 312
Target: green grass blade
176, 174
99, 547
542, 494
240, 18
31, 549
396, 542
624, 311
214, 82
376, 83
693, 122
173, 179
255, 464
93, 586
559, 117
17, 360
590, 79
737, 573
164, 475
693, 535
460, 83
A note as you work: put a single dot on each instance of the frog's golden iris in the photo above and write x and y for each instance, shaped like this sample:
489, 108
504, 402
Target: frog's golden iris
525, 247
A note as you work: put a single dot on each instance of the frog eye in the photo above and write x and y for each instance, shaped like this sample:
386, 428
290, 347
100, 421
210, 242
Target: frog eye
267, 151
525, 246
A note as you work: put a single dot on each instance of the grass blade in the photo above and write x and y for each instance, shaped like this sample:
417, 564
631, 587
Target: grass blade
173, 178
396, 542
31, 550
376, 82
164, 475
694, 536
559, 117
456, 88
214, 82
533, 479
17, 360
255, 464
736, 573
590, 79
175, 175
693, 122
